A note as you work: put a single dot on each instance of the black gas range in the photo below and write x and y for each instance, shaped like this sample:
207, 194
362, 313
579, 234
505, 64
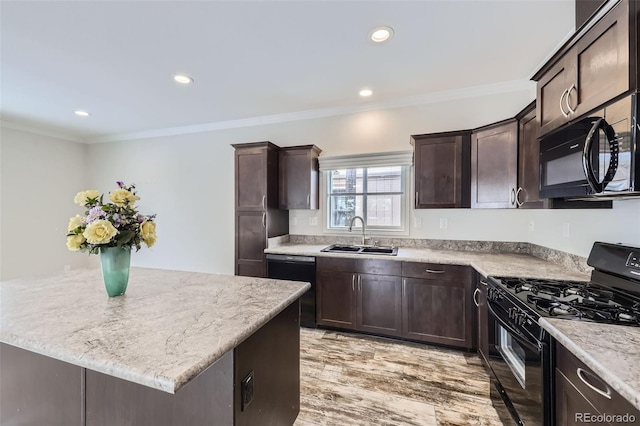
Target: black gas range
519, 349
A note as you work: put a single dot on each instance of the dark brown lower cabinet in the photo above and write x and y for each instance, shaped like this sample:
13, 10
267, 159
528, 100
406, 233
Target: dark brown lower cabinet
436, 312
379, 304
569, 402
348, 299
418, 301
251, 240
581, 395
335, 299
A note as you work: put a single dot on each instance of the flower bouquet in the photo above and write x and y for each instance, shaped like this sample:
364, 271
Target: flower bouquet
112, 229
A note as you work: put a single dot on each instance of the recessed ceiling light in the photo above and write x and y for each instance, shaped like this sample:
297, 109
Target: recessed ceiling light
366, 92
381, 34
183, 78
81, 113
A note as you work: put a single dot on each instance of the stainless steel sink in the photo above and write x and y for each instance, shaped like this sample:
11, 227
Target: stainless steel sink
355, 249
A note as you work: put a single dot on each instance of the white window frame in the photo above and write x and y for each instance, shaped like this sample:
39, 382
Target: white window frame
404, 159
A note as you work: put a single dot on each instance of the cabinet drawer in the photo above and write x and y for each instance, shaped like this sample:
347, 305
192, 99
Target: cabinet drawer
335, 264
436, 271
379, 267
584, 380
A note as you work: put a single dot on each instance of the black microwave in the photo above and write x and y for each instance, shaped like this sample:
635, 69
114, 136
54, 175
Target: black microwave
595, 157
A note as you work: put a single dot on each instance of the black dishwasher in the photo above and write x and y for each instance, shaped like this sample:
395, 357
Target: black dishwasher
297, 268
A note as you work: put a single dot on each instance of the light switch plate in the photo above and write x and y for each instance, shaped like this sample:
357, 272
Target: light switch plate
444, 223
313, 221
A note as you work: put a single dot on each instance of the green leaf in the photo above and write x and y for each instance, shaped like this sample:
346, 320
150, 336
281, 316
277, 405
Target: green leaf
124, 237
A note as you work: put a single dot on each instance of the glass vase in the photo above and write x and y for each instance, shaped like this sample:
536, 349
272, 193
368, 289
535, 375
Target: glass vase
115, 262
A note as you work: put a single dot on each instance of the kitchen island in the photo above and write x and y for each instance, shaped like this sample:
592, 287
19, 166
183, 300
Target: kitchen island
178, 348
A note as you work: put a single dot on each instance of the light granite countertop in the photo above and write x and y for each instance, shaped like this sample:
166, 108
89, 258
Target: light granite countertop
168, 328
499, 264
611, 351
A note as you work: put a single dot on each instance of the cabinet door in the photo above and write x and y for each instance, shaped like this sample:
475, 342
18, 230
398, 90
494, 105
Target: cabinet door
494, 163
437, 312
528, 194
379, 304
251, 240
552, 88
483, 320
602, 62
438, 172
570, 402
251, 179
336, 301
299, 178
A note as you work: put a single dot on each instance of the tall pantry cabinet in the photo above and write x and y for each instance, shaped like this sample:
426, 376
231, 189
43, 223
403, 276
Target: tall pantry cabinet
257, 216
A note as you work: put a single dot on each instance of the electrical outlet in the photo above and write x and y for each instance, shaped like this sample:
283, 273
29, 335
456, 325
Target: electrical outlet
295, 220
444, 223
313, 221
566, 230
246, 390
532, 226
67, 268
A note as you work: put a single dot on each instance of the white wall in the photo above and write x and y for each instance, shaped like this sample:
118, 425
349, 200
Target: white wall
39, 176
188, 181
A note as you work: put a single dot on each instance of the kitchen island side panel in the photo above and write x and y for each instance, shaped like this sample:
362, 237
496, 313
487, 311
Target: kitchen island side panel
38, 390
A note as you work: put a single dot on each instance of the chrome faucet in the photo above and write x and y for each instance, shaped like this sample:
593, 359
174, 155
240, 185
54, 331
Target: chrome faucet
364, 226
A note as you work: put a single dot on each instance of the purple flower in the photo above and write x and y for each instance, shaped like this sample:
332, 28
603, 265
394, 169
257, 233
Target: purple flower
94, 214
140, 218
120, 184
119, 220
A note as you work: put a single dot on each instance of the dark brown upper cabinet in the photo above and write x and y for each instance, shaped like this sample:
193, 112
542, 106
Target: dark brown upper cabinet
494, 165
442, 169
257, 216
528, 192
299, 177
593, 67
256, 184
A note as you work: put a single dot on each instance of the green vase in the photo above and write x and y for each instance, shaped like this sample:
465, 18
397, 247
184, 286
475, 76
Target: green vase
115, 263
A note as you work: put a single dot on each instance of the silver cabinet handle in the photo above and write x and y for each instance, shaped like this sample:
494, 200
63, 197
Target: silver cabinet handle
308, 200
416, 200
264, 198
565, 114
475, 301
483, 282
359, 283
568, 99
581, 374
404, 284
513, 196
264, 220
518, 202
353, 282
434, 271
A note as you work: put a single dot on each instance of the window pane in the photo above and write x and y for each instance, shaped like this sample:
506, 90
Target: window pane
343, 208
384, 179
346, 181
384, 210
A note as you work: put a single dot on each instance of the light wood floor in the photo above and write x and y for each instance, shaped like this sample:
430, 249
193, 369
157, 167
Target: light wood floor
347, 379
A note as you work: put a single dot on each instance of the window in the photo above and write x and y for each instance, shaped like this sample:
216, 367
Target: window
374, 193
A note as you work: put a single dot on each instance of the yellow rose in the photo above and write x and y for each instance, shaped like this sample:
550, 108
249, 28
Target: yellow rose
148, 233
74, 242
81, 197
75, 221
122, 197
99, 232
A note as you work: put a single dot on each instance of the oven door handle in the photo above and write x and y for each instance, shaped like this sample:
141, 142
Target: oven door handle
534, 345
587, 164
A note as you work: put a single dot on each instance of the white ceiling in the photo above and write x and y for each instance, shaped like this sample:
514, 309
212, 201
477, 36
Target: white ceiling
253, 59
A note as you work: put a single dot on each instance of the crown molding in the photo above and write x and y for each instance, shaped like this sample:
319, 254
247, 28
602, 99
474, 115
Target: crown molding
37, 130
430, 98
